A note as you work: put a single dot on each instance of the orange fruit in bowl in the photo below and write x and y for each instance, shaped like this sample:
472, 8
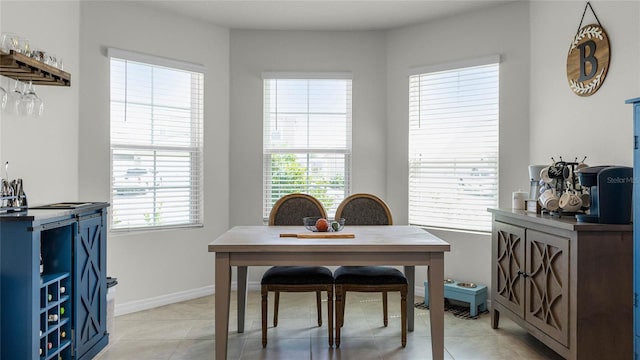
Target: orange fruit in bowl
322, 225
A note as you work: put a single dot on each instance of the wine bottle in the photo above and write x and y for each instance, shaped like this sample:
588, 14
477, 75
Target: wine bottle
61, 310
62, 289
63, 334
53, 317
41, 265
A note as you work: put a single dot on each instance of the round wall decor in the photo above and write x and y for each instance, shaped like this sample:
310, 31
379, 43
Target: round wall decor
588, 60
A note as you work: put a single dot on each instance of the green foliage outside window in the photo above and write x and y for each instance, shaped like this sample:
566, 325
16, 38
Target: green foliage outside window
289, 176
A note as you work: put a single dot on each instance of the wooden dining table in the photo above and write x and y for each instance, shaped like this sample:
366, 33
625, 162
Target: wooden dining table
394, 245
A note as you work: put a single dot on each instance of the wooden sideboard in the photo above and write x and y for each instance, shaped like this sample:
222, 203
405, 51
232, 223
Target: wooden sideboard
569, 284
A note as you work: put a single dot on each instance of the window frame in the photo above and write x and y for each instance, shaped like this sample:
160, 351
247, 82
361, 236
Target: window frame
308, 151
417, 100
194, 150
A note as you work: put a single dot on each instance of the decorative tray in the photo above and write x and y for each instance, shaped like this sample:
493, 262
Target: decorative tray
321, 235
63, 205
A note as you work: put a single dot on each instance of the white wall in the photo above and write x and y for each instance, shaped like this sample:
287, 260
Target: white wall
254, 52
154, 265
598, 126
44, 151
502, 30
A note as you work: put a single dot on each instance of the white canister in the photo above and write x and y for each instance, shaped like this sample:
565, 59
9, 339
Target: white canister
518, 200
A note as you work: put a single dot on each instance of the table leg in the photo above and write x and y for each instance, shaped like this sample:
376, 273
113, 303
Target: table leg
410, 273
436, 304
242, 296
222, 299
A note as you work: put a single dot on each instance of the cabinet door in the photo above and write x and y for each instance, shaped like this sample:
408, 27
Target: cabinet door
508, 266
90, 284
548, 284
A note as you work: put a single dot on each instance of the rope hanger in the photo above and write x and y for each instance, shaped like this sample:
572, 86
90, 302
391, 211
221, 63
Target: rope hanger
588, 5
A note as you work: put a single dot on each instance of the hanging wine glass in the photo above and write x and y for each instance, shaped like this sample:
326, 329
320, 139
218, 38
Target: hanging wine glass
15, 98
35, 107
28, 100
38, 107
31, 104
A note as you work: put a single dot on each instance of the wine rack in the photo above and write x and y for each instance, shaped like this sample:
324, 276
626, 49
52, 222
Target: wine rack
55, 317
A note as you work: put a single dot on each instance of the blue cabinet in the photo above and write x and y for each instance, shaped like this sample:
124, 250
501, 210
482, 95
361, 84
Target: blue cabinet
636, 224
53, 283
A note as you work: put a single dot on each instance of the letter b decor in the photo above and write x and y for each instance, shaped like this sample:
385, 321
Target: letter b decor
588, 60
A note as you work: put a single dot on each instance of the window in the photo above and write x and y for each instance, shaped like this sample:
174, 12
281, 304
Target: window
156, 142
453, 145
307, 138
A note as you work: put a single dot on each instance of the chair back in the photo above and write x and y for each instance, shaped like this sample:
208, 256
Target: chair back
290, 209
364, 209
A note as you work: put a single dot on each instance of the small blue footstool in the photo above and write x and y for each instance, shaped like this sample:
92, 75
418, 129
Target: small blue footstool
475, 295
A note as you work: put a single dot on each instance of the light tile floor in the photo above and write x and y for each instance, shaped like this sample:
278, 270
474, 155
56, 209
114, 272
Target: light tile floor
185, 330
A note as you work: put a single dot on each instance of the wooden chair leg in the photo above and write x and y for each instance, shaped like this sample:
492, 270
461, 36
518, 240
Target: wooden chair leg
319, 307
265, 294
339, 313
330, 314
385, 313
344, 304
403, 316
276, 305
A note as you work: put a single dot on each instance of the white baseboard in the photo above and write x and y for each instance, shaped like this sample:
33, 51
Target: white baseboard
150, 303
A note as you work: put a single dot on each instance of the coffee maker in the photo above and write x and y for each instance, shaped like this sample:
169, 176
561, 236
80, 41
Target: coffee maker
610, 191
534, 177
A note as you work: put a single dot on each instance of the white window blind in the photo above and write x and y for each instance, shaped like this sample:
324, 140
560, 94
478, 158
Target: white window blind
453, 147
156, 143
307, 138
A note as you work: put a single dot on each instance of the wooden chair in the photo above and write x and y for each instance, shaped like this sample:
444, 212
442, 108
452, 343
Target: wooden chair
368, 209
289, 210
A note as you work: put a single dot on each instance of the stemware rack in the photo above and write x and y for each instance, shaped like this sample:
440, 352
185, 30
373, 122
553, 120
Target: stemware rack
23, 68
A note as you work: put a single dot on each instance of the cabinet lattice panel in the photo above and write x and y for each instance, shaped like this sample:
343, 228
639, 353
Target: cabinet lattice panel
509, 263
546, 284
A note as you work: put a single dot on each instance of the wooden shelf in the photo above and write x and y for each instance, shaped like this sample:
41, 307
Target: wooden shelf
20, 67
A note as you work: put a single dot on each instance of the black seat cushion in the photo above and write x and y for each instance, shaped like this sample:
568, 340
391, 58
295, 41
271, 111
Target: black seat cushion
297, 275
369, 275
